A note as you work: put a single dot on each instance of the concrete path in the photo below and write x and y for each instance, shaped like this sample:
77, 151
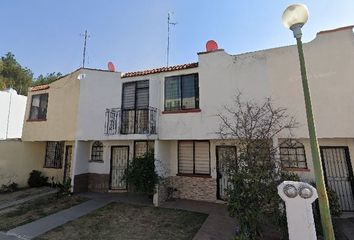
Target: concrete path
12, 199
218, 226
38, 227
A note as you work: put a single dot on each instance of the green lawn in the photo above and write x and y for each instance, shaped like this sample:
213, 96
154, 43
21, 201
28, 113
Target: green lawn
29, 211
125, 221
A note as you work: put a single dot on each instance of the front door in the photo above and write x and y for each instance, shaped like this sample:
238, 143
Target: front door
223, 155
67, 164
339, 174
119, 163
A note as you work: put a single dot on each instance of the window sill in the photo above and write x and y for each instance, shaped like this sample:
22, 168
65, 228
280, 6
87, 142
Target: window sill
193, 175
297, 169
96, 161
182, 111
36, 120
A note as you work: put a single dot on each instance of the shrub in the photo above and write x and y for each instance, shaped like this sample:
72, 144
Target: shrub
11, 187
252, 194
36, 179
64, 188
141, 175
334, 207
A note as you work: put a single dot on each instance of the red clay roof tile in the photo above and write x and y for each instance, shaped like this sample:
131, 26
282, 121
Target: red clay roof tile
39, 87
159, 70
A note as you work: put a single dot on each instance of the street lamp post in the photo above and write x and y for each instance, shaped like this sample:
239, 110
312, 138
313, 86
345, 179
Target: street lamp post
294, 17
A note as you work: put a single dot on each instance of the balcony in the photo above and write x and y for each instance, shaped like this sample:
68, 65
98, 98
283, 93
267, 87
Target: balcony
136, 121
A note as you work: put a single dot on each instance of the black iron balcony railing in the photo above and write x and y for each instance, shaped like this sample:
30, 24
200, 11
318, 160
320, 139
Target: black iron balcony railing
136, 121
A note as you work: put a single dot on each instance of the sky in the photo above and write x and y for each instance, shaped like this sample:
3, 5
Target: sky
45, 36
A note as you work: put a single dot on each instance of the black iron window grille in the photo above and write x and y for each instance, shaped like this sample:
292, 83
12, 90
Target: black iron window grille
54, 155
97, 151
182, 92
140, 121
39, 106
112, 120
292, 154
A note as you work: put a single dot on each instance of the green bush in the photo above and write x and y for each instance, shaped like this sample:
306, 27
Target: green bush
36, 179
11, 187
64, 188
334, 207
141, 175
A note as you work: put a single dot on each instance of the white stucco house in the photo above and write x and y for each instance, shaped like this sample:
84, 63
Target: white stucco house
108, 118
12, 112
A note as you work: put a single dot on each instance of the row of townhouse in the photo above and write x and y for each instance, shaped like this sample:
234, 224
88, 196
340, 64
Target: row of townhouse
91, 123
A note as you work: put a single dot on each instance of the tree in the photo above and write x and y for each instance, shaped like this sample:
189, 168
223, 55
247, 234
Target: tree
50, 77
12, 74
254, 176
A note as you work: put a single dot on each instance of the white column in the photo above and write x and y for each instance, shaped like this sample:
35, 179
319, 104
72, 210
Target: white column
298, 197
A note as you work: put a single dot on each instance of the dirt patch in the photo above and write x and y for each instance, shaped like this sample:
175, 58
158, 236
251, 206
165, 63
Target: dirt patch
125, 221
32, 210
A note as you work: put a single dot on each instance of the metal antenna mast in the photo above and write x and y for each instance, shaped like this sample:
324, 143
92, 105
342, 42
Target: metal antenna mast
168, 35
84, 53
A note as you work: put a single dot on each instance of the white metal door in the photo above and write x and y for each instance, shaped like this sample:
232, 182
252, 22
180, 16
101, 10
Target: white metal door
223, 155
119, 163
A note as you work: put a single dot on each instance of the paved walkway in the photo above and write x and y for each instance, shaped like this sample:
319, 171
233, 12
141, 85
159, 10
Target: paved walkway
218, 226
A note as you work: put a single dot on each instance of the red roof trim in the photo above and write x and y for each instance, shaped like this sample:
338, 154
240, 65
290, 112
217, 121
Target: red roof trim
159, 70
336, 29
39, 88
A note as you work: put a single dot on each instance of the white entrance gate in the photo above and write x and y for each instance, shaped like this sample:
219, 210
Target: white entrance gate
119, 163
223, 155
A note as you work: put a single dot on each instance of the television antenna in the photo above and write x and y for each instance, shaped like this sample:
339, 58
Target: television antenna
168, 34
85, 35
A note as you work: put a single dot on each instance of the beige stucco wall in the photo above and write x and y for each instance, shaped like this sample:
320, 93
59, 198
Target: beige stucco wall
63, 96
16, 167
18, 159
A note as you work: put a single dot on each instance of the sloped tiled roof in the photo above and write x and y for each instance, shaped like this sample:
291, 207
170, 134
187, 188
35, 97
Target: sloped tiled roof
159, 70
39, 87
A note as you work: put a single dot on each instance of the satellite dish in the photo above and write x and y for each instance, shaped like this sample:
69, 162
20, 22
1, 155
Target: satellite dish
111, 67
81, 76
211, 45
